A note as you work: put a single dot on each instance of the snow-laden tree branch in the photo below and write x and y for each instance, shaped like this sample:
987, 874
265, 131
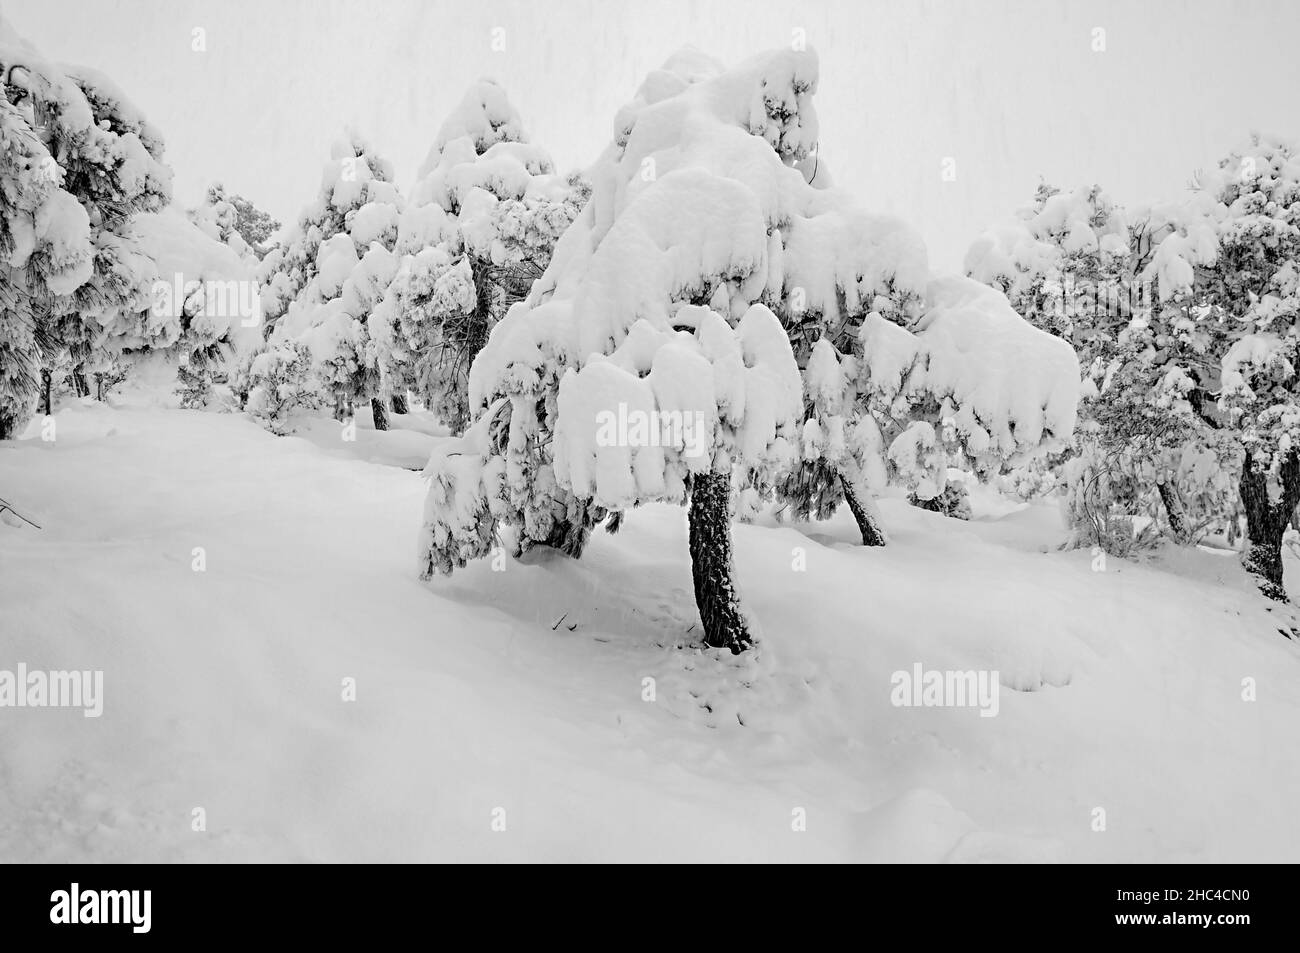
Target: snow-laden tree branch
712, 260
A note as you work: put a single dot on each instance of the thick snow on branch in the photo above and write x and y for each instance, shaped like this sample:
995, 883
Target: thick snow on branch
971, 378
481, 157
218, 218
1250, 308
323, 287
484, 116
632, 424
99, 135
658, 295
480, 226
98, 162
1006, 386
88, 111
1045, 241
698, 200
353, 179
704, 236
200, 285
356, 210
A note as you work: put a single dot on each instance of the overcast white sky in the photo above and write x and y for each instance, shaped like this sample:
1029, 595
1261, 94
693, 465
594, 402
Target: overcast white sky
1010, 90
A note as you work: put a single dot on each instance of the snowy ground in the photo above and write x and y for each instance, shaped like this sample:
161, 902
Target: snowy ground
1122, 689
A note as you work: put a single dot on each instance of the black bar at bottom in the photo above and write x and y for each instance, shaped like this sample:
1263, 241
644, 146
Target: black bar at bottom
157, 903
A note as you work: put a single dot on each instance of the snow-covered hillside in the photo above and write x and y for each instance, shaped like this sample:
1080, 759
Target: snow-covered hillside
516, 697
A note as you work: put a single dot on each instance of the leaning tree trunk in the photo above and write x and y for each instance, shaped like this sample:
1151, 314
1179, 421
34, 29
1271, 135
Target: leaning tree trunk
47, 384
1175, 511
867, 514
711, 563
1266, 522
399, 404
379, 412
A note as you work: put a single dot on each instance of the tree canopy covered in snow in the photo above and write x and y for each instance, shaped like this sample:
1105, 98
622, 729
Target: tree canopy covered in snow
1184, 316
219, 219
1229, 315
354, 177
234, 220
478, 229
709, 264
80, 161
321, 288
204, 305
1081, 267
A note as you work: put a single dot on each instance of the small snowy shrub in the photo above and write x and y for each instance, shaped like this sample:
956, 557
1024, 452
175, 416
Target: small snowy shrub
282, 380
954, 501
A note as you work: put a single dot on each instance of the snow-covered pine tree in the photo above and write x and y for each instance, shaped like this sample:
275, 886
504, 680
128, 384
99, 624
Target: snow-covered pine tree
704, 220
827, 286
253, 224
906, 377
1224, 338
218, 218
204, 313
1066, 262
113, 163
903, 376
479, 228
966, 384
353, 176
276, 382
224, 212
1075, 264
323, 288
81, 270
45, 252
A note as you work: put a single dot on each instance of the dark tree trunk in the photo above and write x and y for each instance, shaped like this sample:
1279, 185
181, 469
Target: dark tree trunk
99, 387
1234, 528
1175, 512
711, 563
379, 412
865, 512
1266, 522
399, 404
79, 382
47, 383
